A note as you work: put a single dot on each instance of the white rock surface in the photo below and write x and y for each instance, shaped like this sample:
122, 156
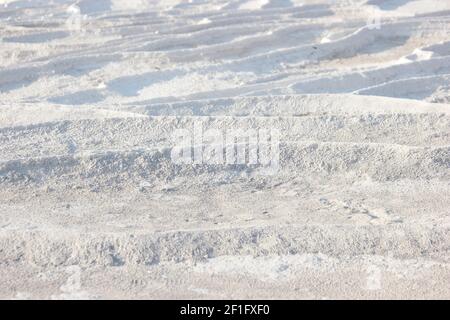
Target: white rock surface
92, 205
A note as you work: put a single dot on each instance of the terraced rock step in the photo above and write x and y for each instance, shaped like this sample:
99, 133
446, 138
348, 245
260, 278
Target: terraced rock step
81, 136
